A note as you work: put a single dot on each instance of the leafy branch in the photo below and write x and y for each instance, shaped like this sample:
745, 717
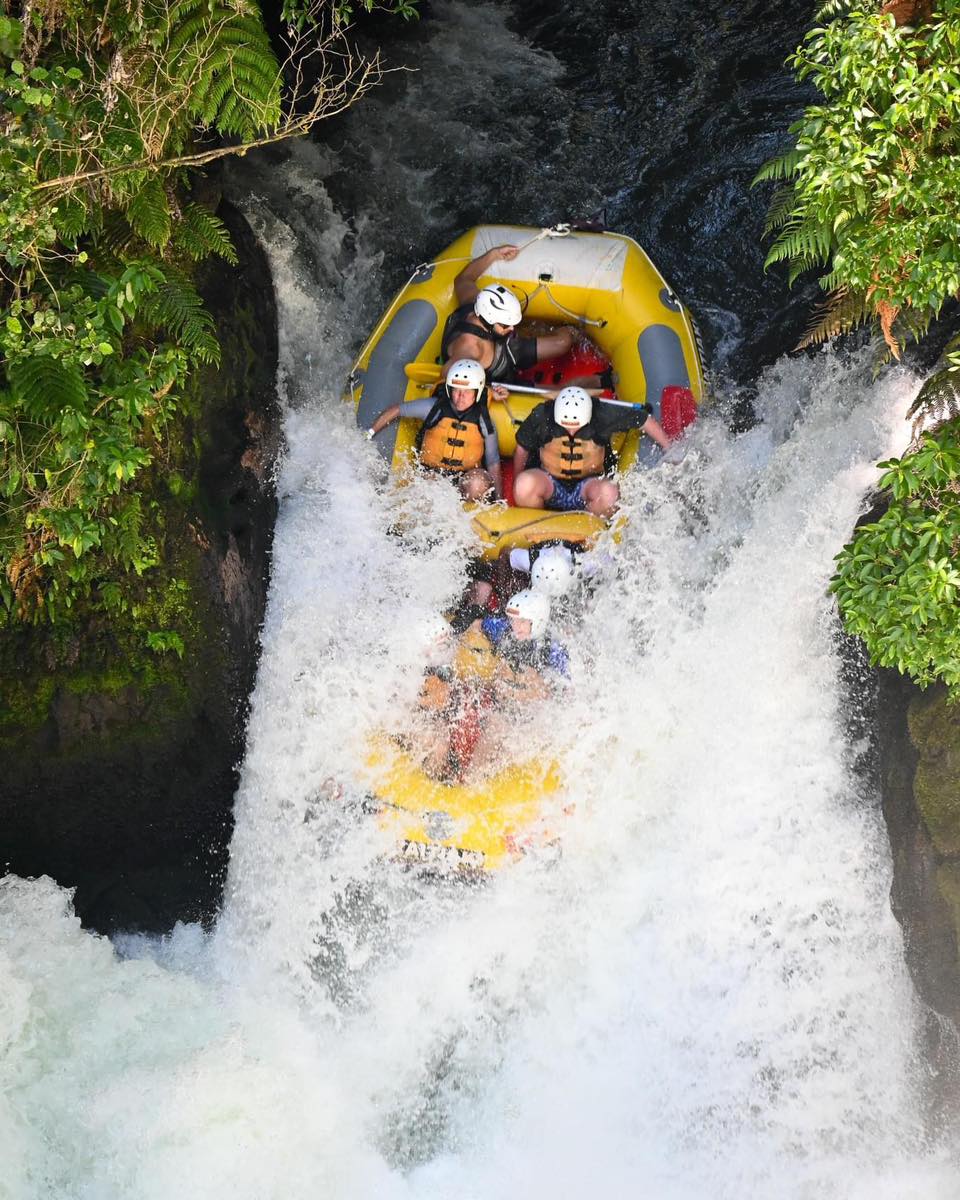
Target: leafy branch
104, 109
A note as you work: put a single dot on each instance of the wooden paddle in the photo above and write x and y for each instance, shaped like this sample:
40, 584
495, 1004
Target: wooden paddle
428, 374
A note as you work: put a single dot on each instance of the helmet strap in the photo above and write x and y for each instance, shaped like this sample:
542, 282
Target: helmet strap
499, 337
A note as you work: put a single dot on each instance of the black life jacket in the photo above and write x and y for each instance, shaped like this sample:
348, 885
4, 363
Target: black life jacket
503, 369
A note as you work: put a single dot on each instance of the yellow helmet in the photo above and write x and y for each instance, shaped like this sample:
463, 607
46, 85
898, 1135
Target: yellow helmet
474, 657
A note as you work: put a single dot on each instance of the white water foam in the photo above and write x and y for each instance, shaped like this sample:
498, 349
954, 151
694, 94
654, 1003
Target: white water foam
704, 1000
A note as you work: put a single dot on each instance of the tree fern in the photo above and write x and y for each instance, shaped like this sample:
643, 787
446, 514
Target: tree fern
223, 52
175, 306
201, 232
783, 166
46, 385
149, 213
842, 312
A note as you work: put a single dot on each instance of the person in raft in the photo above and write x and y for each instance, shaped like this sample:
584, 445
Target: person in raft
501, 664
483, 325
567, 441
457, 434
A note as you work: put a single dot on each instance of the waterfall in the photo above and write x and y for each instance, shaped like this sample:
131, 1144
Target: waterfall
705, 998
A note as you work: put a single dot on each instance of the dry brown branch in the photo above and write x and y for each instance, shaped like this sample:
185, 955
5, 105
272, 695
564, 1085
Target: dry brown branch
324, 76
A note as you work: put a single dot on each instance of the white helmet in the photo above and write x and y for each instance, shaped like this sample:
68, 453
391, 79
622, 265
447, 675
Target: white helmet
572, 406
466, 373
533, 607
552, 573
497, 305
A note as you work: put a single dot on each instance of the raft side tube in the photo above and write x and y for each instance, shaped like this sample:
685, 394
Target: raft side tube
661, 357
384, 382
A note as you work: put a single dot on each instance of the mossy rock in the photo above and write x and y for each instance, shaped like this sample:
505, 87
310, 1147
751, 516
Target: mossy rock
948, 885
935, 732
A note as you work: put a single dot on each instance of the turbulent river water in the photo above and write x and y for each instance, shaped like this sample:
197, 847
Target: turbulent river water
704, 999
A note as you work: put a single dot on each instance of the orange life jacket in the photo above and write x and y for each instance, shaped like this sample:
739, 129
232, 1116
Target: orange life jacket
453, 441
572, 457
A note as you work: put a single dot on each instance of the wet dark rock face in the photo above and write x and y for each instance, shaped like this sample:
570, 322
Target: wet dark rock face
673, 109
652, 117
118, 766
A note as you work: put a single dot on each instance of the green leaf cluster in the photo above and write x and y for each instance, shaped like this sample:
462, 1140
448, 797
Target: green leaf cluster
103, 108
869, 188
100, 323
868, 196
898, 582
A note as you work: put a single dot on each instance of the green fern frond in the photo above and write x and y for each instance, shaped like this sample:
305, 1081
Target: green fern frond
201, 232
801, 242
799, 266
46, 385
831, 281
231, 118
149, 213
937, 401
836, 8
780, 210
71, 219
779, 168
176, 307
190, 32
841, 312
211, 101
115, 238
225, 53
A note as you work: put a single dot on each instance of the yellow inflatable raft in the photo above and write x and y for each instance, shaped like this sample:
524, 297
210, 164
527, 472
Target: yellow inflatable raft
606, 284
602, 282
459, 828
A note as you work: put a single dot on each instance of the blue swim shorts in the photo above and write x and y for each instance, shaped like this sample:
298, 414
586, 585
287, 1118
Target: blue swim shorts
567, 496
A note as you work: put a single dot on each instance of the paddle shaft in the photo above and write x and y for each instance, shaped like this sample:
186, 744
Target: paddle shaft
428, 374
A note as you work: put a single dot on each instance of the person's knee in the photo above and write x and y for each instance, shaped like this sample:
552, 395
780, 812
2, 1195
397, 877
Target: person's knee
529, 490
479, 592
475, 485
602, 498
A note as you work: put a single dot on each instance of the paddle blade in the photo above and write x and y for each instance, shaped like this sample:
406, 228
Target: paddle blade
422, 372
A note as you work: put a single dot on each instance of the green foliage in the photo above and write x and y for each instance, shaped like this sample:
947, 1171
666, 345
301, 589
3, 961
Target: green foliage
869, 197
103, 106
300, 13
201, 232
224, 52
100, 324
874, 169
897, 582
